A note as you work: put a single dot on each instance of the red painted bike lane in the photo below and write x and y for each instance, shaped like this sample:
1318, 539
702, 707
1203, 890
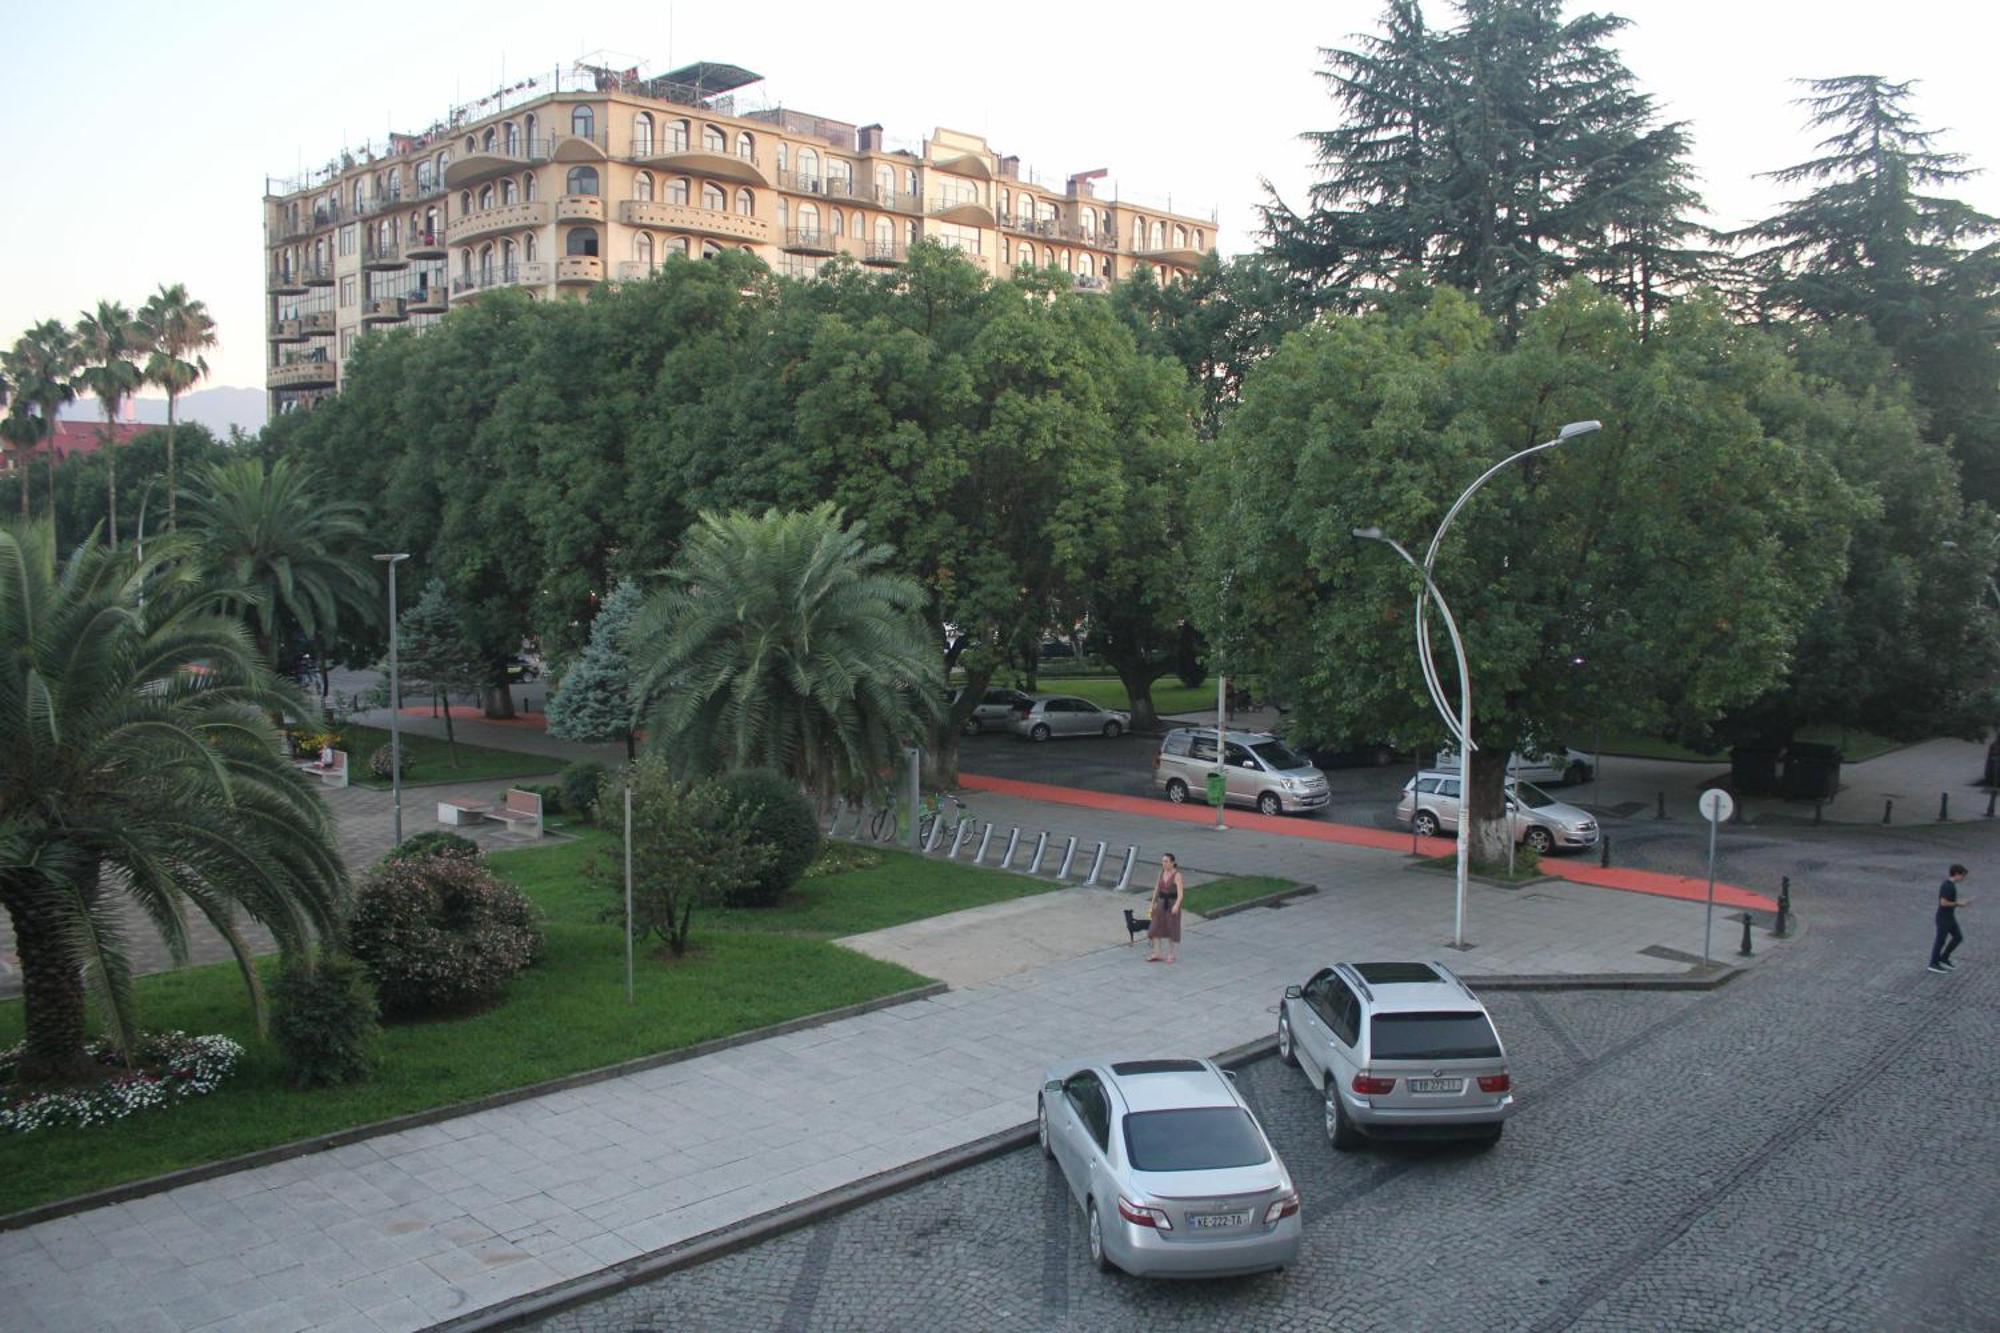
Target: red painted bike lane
1612, 877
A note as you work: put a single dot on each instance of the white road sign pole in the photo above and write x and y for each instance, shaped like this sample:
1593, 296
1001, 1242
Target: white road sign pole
1716, 806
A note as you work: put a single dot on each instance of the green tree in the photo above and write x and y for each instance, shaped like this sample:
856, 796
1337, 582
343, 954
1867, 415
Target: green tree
1645, 578
593, 701
110, 342
179, 330
693, 845
781, 642
141, 769
42, 367
432, 649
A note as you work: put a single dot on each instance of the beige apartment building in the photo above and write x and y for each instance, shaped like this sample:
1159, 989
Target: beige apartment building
607, 180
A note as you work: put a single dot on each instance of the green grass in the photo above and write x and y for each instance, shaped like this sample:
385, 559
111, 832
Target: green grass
1203, 899
1856, 745
428, 760
1109, 692
564, 1015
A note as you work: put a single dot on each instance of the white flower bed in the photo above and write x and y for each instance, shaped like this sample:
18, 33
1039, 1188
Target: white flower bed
167, 1067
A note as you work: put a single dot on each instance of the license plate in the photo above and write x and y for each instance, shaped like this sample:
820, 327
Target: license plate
1212, 1221
1437, 1085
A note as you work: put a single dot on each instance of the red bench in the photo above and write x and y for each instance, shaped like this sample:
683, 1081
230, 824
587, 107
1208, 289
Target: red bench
522, 810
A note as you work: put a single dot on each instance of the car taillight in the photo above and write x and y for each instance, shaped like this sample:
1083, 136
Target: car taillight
1373, 1087
1142, 1216
1280, 1208
1495, 1083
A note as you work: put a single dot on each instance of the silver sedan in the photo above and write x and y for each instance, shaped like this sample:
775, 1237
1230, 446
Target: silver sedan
1066, 715
1173, 1172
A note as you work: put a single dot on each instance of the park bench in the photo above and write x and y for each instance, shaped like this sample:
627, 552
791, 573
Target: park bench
522, 810
330, 768
456, 810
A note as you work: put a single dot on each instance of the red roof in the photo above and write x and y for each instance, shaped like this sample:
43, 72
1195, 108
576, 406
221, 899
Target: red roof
80, 437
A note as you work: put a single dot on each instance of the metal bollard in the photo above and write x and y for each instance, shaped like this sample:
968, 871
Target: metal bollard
839, 808
860, 821
1041, 846
937, 832
1069, 854
1662, 814
1745, 950
1888, 807
958, 837
1125, 876
985, 840
1819, 811
1991, 794
1013, 841
1604, 850
1096, 864
1944, 806
1784, 906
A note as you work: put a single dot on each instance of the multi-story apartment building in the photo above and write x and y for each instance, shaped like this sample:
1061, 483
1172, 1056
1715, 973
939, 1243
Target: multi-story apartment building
607, 180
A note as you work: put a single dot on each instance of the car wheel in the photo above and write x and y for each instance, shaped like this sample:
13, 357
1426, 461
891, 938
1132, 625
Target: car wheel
1540, 840
1177, 791
1285, 1051
1340, 1131
1094, 1238
970, 727
1427, 824
1577, 774
1039, 732
1489, 1138
1042, 1128
1112, 731
1269, 804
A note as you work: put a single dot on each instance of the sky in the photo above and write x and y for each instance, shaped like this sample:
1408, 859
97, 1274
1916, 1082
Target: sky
139, 136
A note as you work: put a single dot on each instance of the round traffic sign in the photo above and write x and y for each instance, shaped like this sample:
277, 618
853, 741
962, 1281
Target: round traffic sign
1717, 806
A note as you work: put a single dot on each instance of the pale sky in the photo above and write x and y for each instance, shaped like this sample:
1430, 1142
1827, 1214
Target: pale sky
138, 136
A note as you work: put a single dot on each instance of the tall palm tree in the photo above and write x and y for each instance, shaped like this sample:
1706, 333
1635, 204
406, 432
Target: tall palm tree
274, 543
781, 642
140, 768
180, 331
110, 343
42, 367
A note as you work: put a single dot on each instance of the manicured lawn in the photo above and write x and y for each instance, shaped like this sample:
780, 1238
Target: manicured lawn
1855, 744
564, 1015
429, 760
1205, 898
1169, 695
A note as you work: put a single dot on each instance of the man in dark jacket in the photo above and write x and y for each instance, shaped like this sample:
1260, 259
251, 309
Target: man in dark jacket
1949, 935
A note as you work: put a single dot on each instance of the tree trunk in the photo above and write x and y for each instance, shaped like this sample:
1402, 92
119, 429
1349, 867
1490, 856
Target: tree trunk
450, 740
1138, 678
1484, 806
111, 468
499, 701
52, 998
171, 395
631, 743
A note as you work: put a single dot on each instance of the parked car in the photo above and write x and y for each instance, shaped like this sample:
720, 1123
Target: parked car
1539, 820
1261, 770
1350, 754
994, 710
1066, 715
1397, 1050
521, 670
1555, 765
1174, 1174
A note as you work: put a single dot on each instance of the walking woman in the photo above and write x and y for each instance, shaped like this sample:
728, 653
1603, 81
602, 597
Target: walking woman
1166, 927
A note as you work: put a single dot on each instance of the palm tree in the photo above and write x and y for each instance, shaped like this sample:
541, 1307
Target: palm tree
180, 331
140, 769
41, 367
781, 642
110, 342
273, 543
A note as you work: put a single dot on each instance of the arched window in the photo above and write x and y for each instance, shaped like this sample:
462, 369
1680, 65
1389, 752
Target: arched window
916, 232
1025, 258
443, 160
746, 203
464, 202
885, 232
485, 198
506, 254
1069, 262
319, 254
1180, 238
581, 241
1048, 257
839, 175
528, 187
507, 191
430, 225
677, 136
528, 246
642, 248
486, 262
581, 180
677, 245
642, 135
642, 186
1088, 217
885, 186
486, 140
784, 155
1087, 265
712, 197
471, 143
529, 122
808, 168
838, 222
583, 122
713, 140
465, 261
1006, 201
1138, 233
710, 249
746, 147
809, 219
1159, 234
677, 190
1200, 240
784, 212
510, 135
424, 175
910, 182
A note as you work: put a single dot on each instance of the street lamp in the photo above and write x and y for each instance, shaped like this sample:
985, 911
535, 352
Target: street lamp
1427, 591
395, 697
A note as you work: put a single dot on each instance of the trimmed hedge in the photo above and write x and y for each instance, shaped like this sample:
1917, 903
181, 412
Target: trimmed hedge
433, 842
323, 1019
780, 818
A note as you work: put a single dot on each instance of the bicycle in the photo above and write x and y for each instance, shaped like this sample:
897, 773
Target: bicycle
934, 809
883, 827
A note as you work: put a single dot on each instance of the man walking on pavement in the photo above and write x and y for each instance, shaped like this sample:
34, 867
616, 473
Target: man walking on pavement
1949, 936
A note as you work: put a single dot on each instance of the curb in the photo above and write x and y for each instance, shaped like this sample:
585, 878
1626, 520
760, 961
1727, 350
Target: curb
1691, 980
1425, 865
340, 1138
1277, 899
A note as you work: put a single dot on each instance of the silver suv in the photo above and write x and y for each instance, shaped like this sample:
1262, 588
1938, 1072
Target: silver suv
1398, 1050
1262, 771
1538, 819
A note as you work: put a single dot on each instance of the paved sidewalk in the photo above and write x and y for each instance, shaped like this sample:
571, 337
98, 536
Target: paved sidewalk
402, 1231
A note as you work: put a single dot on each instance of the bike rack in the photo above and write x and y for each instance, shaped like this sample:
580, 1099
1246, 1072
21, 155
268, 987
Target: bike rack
937, 832
1069, 854
860, 830
985, 840
1041, 846
958, 837
839, 809
1096, 864
1131, 859
1013, 841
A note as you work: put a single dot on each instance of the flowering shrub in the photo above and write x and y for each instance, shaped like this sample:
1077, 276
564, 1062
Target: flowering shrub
382, 761
440, 933
433, 842
167, 1067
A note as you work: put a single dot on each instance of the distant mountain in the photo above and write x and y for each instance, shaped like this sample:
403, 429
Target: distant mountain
218, 409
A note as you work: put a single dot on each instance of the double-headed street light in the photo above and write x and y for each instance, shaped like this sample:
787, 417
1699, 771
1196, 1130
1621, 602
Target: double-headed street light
1459, 724
395, 698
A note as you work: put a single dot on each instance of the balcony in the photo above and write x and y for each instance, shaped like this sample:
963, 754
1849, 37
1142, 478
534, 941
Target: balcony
316, 273
1178, 256
380, 254
885, 253
671, 155
312, 370
579, 269
810, 242
428, 300
484, 162
638, 270
385, 310
285, 281
580, 208
532, 274
713, 222
969, 165
298, 328
422, 244
503, 217
1086, 282
966, 209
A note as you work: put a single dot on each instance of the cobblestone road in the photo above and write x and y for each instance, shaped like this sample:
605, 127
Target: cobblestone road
1808, 1148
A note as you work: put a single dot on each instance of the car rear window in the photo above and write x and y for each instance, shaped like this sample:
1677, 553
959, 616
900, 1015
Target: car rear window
1204, 1138
1432, 1036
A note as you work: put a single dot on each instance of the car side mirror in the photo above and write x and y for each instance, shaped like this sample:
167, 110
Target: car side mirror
1229, 1074
1293, 992
1053, 1085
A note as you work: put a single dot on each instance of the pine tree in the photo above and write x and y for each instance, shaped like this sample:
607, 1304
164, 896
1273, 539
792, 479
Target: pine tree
595, 701
433, 650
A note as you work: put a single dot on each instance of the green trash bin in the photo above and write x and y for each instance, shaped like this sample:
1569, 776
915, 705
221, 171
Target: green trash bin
1217, 785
